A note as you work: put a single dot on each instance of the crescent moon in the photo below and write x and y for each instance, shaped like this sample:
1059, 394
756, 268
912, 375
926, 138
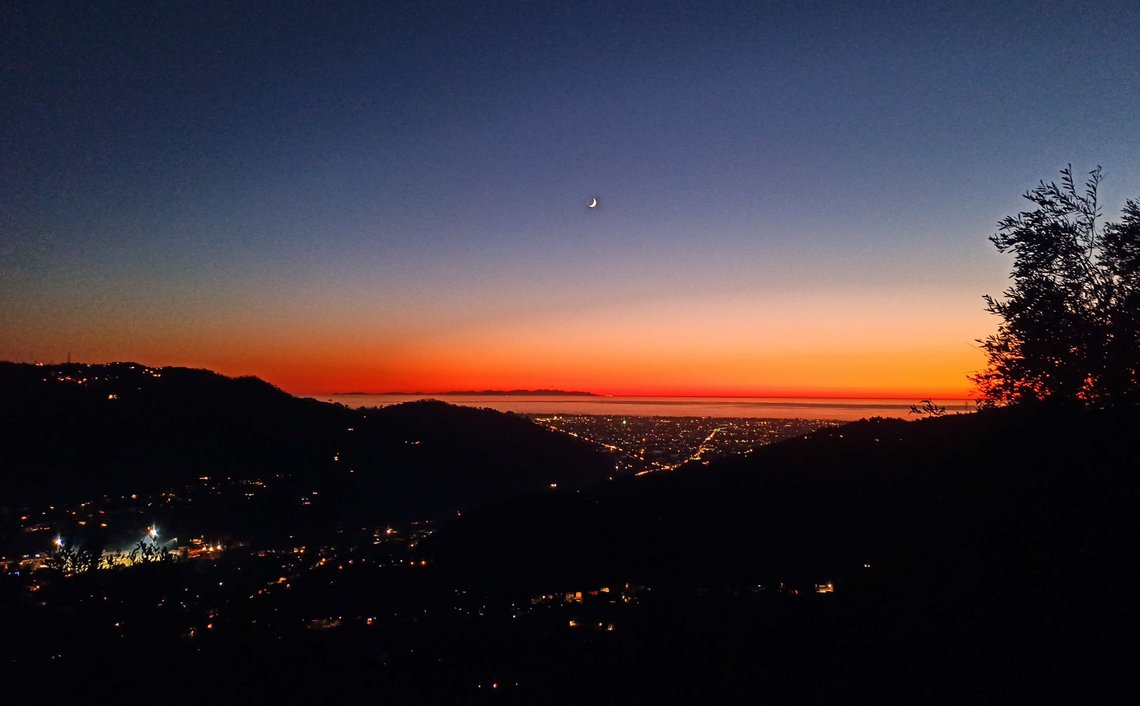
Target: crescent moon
593, 203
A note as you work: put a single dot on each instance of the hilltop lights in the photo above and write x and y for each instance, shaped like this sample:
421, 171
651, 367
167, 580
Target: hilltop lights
153, 532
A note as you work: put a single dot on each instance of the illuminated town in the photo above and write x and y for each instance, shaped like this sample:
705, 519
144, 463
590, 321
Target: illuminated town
213, 556
431, 549
648, 444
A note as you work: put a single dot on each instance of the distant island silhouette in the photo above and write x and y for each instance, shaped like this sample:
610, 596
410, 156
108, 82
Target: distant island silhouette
481, 393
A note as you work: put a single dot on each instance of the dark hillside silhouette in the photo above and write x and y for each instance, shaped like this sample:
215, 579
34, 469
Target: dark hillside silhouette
72, 432
431, 458
983, 558
948, 494
986, 546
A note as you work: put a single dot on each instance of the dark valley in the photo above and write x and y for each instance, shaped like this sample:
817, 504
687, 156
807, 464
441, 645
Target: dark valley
422, 551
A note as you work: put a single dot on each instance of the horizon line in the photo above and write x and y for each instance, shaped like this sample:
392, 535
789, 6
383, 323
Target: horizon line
837, 395
507, 393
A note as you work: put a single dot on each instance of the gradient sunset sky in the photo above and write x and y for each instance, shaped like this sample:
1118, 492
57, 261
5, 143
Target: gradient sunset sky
794, 198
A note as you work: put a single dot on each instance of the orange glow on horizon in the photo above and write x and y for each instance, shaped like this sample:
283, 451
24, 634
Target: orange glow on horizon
867, 374
866, 346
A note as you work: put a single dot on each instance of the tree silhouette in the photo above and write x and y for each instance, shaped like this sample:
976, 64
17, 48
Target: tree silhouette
1070, 320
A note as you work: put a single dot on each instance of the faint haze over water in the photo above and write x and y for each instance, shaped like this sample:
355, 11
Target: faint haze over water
843, 409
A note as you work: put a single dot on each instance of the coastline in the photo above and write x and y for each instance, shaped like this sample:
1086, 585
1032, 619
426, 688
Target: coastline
838, 408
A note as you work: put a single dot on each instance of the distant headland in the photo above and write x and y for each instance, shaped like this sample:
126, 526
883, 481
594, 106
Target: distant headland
480, 393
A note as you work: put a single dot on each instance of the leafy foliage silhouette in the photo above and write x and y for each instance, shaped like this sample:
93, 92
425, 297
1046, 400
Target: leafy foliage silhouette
927, 408
1070, 329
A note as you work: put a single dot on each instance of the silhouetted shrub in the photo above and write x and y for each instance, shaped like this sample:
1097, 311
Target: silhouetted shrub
1071, 318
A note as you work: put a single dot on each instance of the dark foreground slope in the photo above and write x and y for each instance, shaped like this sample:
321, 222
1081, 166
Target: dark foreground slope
952, 496
983, 558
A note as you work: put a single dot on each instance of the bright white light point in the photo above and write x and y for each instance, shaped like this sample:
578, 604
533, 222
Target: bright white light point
58, 541
153, 533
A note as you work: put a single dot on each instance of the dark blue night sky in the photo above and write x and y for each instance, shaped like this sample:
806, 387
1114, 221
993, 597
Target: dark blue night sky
384, 196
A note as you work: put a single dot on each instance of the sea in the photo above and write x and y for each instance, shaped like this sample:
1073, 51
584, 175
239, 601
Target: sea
841, 409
